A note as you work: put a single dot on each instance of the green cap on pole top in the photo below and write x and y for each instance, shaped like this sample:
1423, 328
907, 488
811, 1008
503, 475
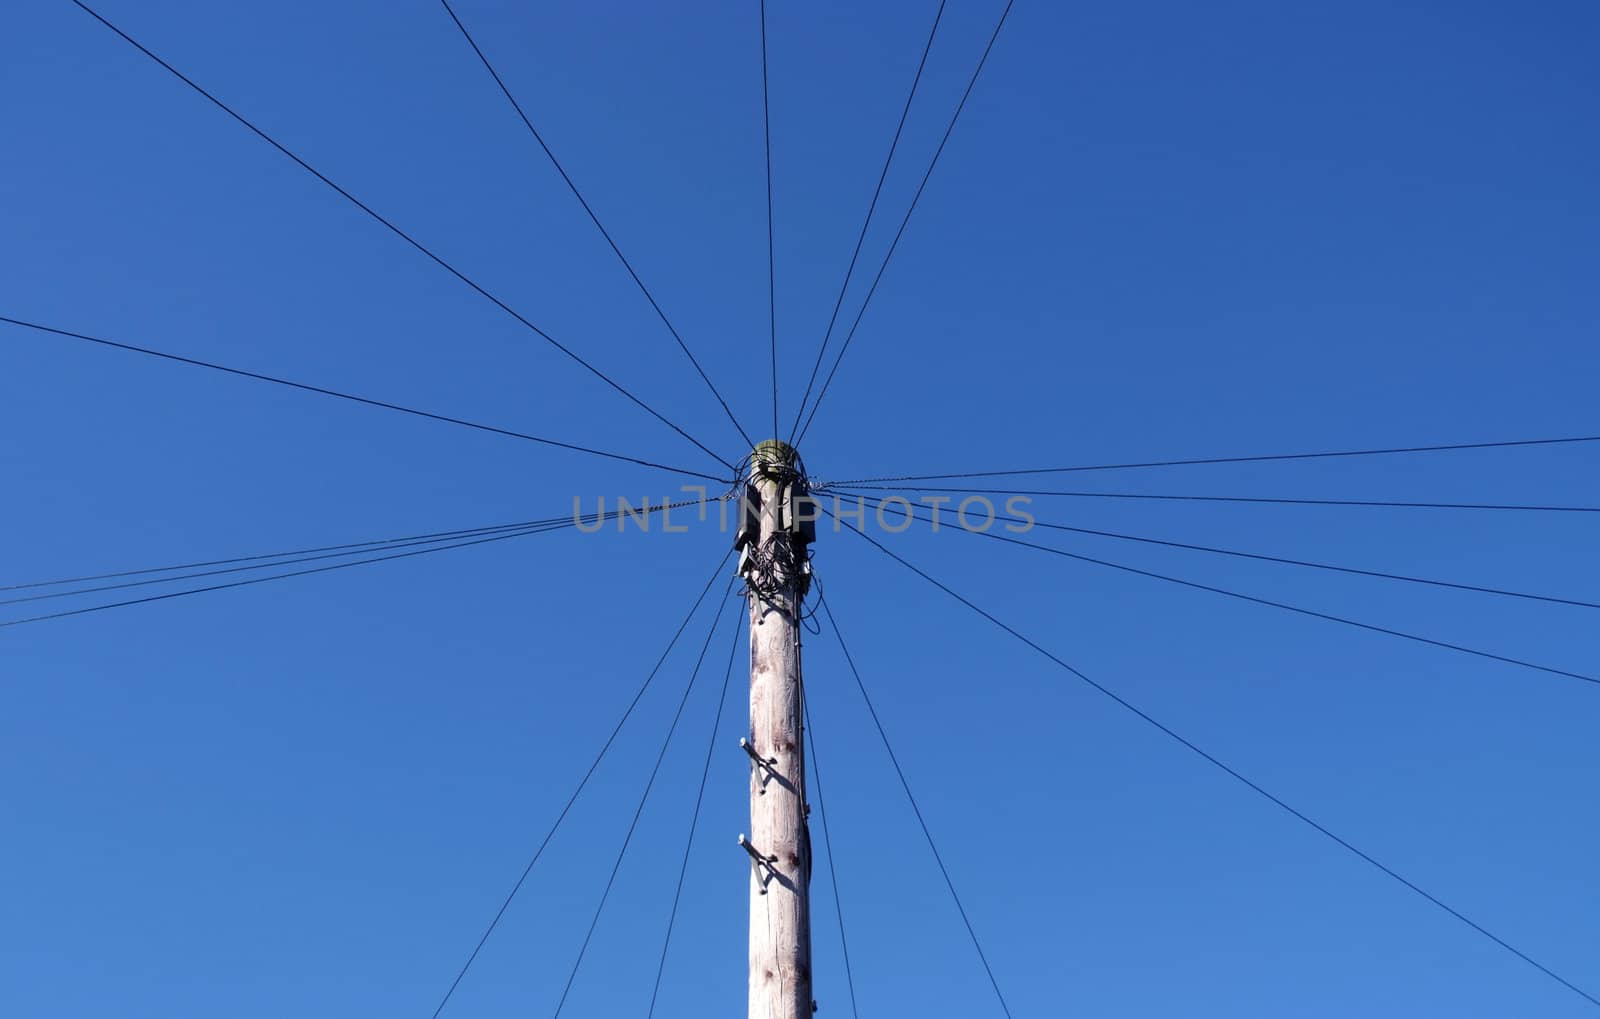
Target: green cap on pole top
773, 458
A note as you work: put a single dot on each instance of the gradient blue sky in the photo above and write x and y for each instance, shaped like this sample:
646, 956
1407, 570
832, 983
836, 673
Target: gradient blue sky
1160, 230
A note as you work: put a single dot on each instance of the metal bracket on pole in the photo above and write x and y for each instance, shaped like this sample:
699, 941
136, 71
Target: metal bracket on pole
766, 764
764, 864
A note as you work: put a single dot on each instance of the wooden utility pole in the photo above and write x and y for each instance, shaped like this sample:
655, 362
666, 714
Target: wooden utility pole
777, 524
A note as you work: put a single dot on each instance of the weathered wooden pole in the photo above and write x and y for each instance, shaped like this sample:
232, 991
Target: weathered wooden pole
777, 525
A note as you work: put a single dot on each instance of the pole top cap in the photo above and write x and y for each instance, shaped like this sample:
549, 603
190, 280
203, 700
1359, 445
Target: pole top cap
773, 458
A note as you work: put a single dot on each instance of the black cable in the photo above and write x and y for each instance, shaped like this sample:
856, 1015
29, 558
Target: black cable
814, 770
458, 274
589, 773
364, 546
1277, 604
506, 91
872, 206
1238, 554
1235, 553
308, 572
851, 335
1232, 459
694, 820
639, 810
306, 387
900, 773
260, 580
1382, 503
531, 527
1238, 776
772, 270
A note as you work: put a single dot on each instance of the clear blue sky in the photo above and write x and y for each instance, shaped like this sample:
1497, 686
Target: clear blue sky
1160, 230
